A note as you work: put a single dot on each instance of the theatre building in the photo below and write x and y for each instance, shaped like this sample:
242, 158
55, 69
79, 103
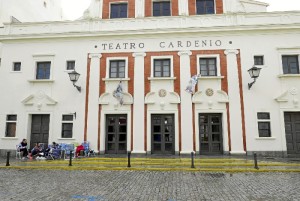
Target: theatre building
156, 77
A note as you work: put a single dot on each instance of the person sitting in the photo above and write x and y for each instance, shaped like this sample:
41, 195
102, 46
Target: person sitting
78, 149
37, 150
23, 148
54, 145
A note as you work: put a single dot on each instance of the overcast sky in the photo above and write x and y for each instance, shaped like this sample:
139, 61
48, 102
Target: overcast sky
74, 8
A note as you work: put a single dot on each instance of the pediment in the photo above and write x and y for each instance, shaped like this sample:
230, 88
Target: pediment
107, 98
220, 96
38, 99
156, 97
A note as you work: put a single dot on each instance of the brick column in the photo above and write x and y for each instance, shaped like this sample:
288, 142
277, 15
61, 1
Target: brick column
235, 112
139, 103
186, 104
93, 98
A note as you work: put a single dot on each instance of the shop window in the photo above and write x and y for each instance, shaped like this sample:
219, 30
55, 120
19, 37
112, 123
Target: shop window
67, 126
11, 125
264, 124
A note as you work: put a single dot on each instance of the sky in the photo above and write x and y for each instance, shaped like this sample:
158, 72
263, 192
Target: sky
74, 9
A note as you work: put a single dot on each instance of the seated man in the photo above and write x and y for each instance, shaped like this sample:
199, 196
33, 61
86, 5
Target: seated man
37, 150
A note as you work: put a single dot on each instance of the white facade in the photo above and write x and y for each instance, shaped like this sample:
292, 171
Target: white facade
232, 38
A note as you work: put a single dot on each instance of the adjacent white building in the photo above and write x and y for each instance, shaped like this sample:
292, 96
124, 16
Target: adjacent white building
152, 49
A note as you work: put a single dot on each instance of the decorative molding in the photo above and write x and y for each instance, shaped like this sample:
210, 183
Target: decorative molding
283, 97
148, 98
39, 98
153, 97
161, 78
139, 54
223, 96
195, 98
184, 53
41, 81
95, 55
106, 99
231, 51
210, 77
289, 76
115, 79
43, 55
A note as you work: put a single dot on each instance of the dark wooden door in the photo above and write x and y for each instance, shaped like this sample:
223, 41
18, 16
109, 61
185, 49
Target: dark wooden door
116, 134
162, 134
210, 131
39, 129
292, 132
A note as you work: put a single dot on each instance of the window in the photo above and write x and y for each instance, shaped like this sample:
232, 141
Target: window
205, 7
70, 65
161, 8
43, 70
290, 64
162, 68
208, 66
117, 69
11, 124
67, 126
264, 124
118, 10
17, 66
258, 60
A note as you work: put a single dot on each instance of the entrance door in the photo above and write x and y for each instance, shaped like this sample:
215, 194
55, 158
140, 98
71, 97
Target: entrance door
116, 134
162, 134
210, 130
39, 129
292, 132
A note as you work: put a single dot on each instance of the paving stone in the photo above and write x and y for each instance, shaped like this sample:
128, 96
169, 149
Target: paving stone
146, 185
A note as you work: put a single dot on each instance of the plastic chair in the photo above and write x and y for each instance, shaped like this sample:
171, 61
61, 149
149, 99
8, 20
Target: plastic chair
87, 151
68, 148
19, 153
54, 152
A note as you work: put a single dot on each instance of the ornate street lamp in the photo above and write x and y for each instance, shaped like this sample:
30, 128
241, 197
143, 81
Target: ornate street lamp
254, 73
74, 76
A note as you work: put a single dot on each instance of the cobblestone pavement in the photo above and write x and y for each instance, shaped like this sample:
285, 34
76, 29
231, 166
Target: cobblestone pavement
55, 185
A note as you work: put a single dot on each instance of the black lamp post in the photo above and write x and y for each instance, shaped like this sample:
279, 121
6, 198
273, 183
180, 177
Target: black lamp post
74, 76
254, 73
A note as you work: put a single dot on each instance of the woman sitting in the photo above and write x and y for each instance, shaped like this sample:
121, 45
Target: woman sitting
23, 148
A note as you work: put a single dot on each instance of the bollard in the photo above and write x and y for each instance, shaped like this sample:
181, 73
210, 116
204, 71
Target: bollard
129, 153
7, 158
255, 161
192, 156
70, 162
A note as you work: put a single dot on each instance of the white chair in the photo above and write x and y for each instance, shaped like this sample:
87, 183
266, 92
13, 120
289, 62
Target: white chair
19, 154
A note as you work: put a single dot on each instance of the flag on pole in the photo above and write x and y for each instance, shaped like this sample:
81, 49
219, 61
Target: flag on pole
118, 93
192, 84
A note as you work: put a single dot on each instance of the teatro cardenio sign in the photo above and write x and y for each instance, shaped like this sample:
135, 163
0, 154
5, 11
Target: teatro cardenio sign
160, 45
